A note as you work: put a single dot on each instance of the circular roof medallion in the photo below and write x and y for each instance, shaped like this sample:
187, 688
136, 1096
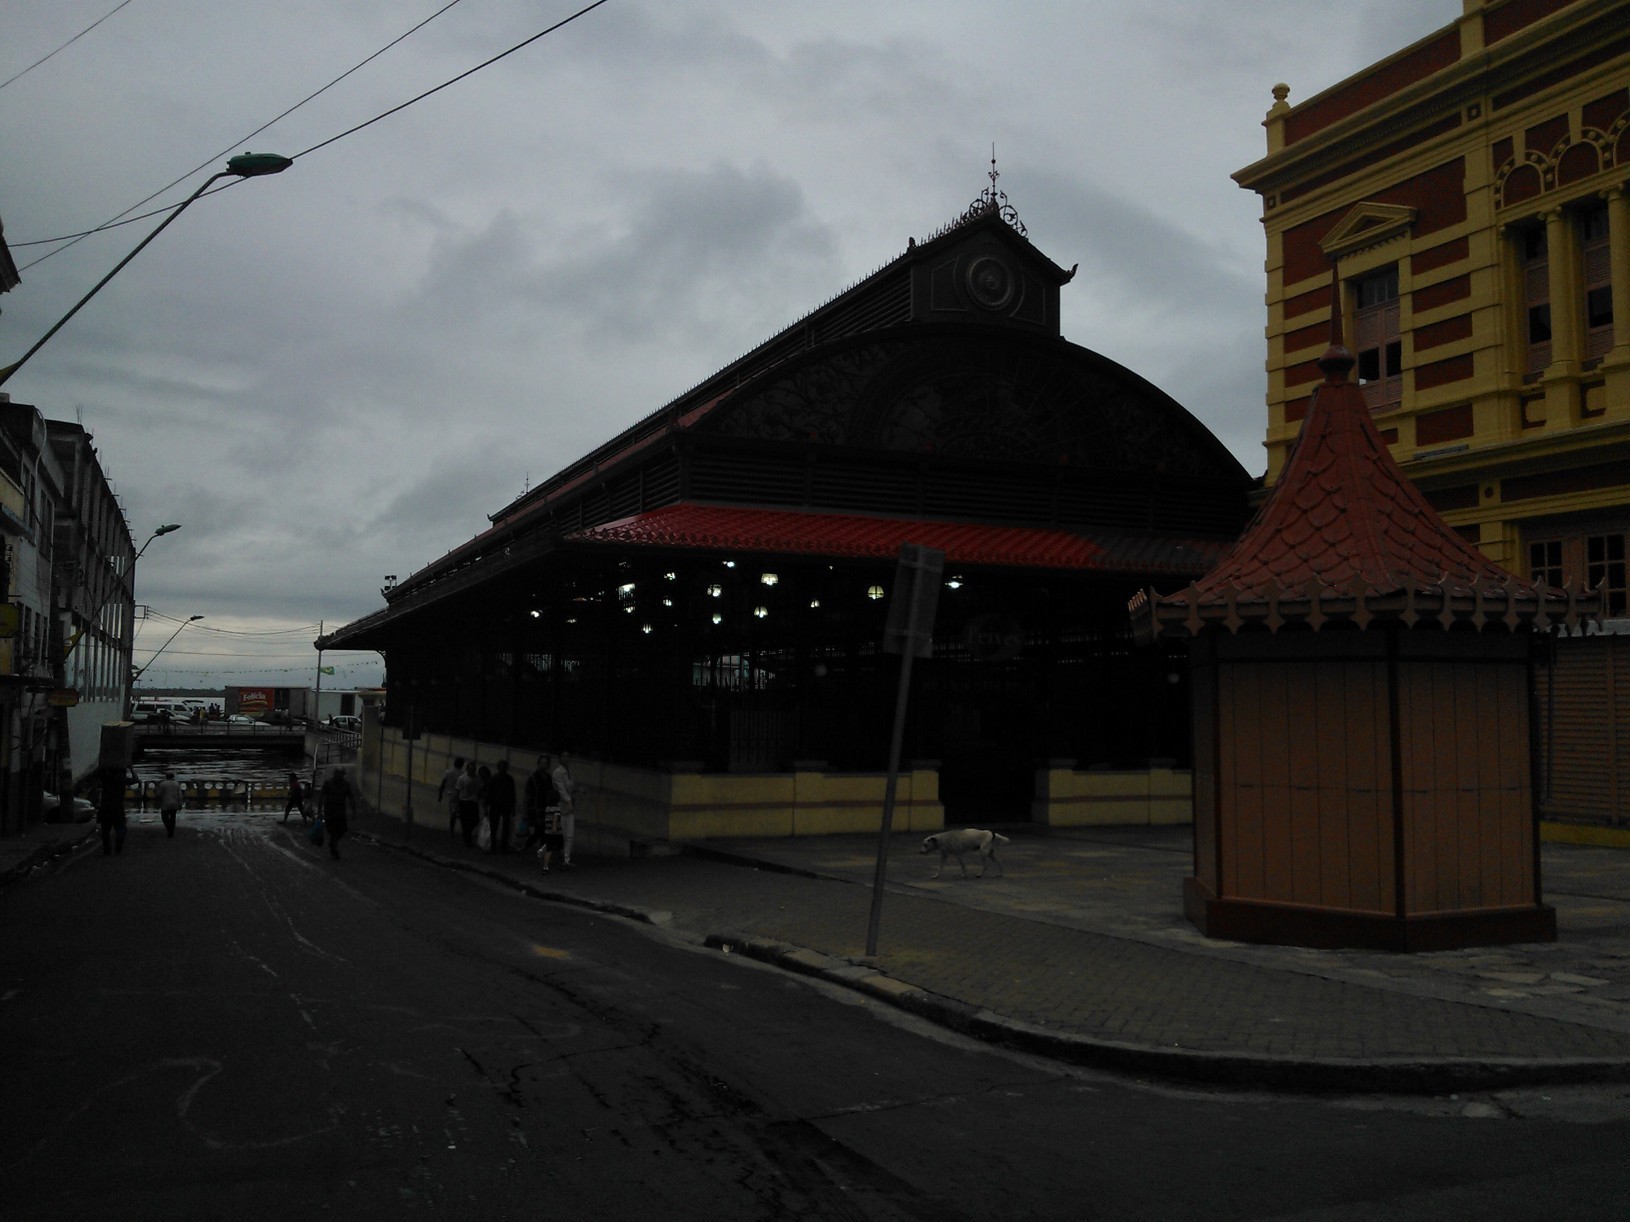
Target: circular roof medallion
990, 282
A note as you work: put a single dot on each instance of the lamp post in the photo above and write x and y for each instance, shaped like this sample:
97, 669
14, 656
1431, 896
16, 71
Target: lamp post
162, 530
244, 165
106, 598
136, 675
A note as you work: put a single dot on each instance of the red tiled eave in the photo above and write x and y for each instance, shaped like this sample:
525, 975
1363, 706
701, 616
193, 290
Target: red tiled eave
1344, 512
841, 536
1346, 537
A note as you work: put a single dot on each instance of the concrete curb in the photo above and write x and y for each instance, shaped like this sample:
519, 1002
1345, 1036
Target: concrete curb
530, 889
1389, 1076
47, 855
1402, 1076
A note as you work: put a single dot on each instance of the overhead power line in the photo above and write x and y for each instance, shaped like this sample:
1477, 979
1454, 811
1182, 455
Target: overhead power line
564, 21
69, 239
115, 222
65, 46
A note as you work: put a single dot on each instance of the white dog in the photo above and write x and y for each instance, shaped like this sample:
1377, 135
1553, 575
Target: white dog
968, 840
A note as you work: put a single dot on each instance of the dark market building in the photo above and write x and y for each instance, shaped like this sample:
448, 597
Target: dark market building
695, 609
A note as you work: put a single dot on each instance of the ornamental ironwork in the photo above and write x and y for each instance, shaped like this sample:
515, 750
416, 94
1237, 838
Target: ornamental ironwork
989, 202
993, 201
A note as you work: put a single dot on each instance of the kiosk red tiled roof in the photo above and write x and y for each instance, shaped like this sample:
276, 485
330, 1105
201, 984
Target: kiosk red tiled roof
1345, 537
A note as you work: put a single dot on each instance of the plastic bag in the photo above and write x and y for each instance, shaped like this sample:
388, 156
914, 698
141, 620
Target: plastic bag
483, 837
315, 835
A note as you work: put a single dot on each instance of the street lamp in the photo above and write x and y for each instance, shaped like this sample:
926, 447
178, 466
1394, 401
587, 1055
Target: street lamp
244, 165
162, 530
136, 675
96, 615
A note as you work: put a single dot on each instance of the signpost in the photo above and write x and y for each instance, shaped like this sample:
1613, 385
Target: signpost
909, 633
410, 735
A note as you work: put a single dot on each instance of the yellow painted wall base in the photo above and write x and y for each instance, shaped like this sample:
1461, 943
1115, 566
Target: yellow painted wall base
1585, 833
623, 804
1066, 797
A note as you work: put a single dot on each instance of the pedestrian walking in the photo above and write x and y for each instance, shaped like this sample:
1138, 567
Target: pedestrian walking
110, 808
483, 789
501, 806
469, 806
447, 792
169, 802
339, 802
542, 814
566, 790
296, 800
536, 798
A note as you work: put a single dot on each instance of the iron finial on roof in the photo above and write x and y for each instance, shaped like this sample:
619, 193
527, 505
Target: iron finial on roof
1336, 361
993, 201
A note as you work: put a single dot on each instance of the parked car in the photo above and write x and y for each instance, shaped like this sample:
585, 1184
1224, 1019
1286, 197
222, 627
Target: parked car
239, 719
345, 721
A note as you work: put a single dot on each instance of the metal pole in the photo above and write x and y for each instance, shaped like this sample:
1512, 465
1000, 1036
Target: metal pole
317, 712
8, 370
142, 670
907, 653
407, 813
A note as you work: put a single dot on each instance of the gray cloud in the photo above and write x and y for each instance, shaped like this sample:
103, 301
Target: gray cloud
338, 372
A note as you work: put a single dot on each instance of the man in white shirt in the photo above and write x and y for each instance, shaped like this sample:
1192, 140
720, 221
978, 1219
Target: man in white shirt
566, 788
169, 802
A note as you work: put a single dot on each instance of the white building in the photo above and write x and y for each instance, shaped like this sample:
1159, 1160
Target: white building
66, 627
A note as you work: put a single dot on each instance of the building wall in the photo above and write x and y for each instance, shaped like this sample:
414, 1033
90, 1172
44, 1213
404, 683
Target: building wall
623, 807
1445, 166
93, 579
1346, 771
1468, 196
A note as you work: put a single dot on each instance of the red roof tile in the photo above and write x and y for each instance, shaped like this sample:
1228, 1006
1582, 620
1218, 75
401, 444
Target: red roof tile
729, 528
1343, 512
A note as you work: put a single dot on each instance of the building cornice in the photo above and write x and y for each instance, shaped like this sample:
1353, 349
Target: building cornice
1594, 443
1455, 90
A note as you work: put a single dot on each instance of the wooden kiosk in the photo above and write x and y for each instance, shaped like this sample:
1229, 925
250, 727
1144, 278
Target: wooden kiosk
1362, 682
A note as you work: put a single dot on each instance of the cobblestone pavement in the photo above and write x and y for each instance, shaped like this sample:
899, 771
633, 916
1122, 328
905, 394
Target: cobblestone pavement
1079, 949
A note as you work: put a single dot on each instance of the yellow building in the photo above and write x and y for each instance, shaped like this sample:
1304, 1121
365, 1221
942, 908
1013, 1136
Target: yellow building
1466, 199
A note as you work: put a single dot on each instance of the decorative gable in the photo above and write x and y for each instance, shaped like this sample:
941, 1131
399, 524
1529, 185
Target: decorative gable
983, 271
1367, 225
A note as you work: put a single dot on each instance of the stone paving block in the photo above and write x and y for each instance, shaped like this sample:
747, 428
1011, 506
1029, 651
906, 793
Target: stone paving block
1091, 965
1570, 978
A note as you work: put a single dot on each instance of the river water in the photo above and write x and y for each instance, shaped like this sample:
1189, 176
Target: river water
225, 779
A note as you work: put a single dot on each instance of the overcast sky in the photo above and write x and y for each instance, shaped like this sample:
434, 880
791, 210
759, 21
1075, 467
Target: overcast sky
337, 373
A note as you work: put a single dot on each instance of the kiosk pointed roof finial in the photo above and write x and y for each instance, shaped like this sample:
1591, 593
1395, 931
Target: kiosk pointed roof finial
1336, 361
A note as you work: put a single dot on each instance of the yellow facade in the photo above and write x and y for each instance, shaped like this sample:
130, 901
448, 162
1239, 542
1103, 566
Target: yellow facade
626, 809
1072, 797
1467, 198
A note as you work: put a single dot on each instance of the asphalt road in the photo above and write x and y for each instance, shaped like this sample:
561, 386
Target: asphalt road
231, 1025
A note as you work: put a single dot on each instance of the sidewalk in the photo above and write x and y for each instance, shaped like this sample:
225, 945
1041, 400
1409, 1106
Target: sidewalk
39, 846
1081, 953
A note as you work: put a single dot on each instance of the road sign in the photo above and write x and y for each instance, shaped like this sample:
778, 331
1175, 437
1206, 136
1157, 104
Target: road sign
909, 633
915, 600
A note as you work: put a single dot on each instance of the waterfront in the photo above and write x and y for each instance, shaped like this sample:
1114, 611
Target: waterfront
228, 779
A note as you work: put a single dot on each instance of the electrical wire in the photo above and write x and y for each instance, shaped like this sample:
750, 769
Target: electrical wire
115, 222
64, 47
564, 21
302, 629
70, 239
